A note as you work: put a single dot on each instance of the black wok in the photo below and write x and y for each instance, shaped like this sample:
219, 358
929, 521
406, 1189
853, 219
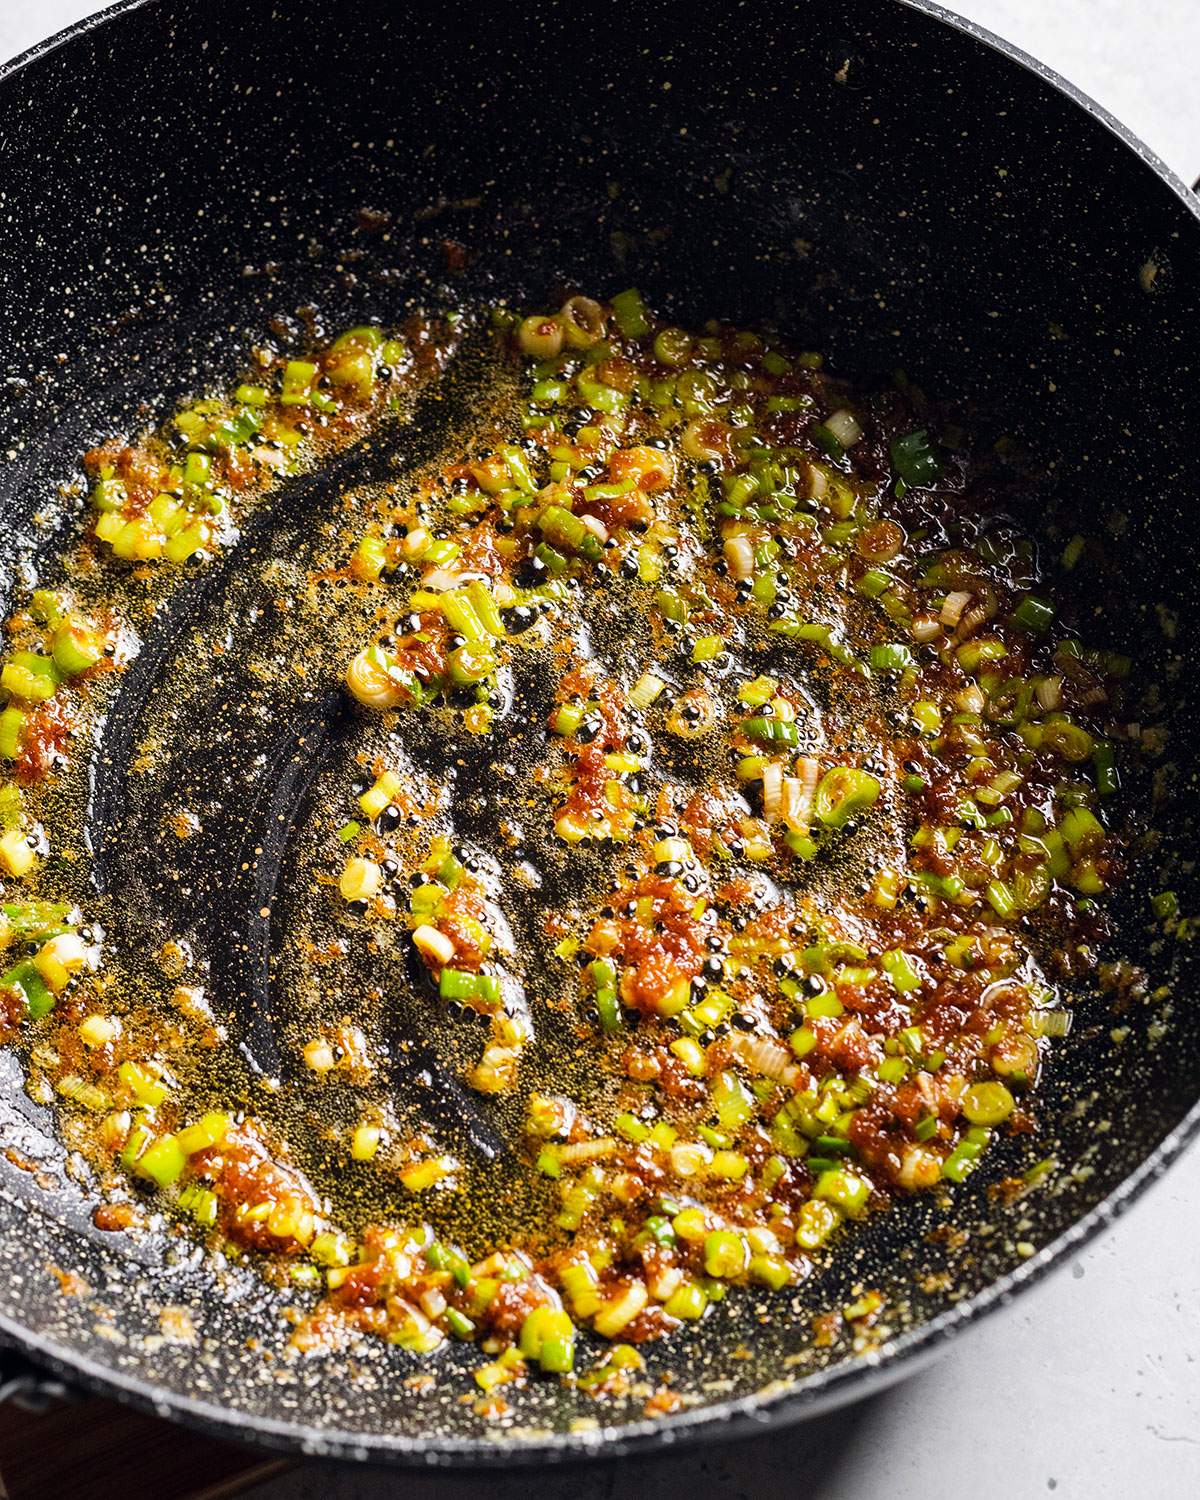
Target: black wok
886, 183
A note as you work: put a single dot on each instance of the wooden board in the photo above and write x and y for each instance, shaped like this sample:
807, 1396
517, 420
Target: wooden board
99, 1450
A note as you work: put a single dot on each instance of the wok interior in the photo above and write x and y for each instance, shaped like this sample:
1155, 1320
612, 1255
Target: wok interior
882, 187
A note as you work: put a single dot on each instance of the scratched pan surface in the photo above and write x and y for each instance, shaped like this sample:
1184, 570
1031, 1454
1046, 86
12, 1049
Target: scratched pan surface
885, 186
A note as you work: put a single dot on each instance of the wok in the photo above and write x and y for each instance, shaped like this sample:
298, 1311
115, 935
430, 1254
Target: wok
888, 184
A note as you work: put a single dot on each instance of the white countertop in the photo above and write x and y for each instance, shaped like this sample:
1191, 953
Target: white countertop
1089, 1388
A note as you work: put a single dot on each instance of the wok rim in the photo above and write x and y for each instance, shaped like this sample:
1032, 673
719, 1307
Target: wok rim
723, 1421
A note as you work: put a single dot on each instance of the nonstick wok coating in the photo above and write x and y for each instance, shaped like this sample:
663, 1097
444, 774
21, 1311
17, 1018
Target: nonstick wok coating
886, 187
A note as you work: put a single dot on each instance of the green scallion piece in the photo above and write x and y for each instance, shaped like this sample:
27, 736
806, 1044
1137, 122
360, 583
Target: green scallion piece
163, 1161
963, 1160
12, 725
1165, 904
518, 466
1034, 614
31, 676
901, 970
460, 615
601, 972
459, 1324
826, 440
564, 530
629, 313
550, 392
567, 719
672, 346
802, 845
987, 1103
726, 1254
1108, 778
1001, 898
551, 559
484, 605
873, 583
671, 606
1081, 830
707, 648
609, 1009
197, 473
843, 792
844, 1188
109, 495
645, 690
557, 1355
914, 458
789, 404
75, 647
298, 378
456, 984
470, 664
891, 656
36, 996
772, 731
610, 490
